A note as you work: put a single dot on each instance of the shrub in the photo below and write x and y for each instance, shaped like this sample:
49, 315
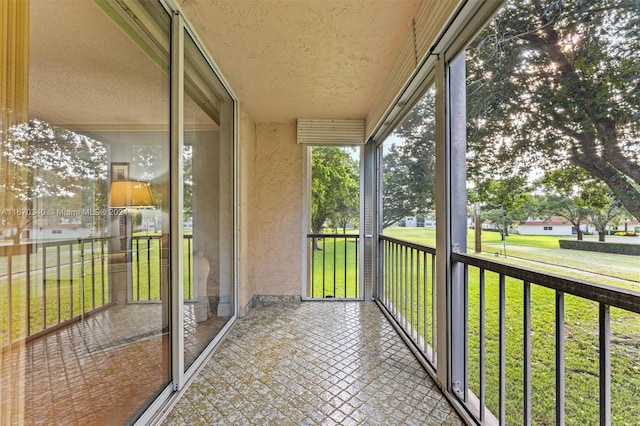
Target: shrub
626, 234
598, 246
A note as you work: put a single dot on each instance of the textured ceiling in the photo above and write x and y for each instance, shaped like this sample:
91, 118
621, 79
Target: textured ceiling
85, 71
288, 59
284, 59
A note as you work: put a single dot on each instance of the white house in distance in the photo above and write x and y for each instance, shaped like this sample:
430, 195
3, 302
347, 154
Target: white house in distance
555, 225
416, 222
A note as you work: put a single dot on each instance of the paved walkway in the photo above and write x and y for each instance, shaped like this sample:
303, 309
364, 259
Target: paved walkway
313, 363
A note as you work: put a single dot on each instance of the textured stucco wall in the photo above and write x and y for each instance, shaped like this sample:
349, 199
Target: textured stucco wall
246, 167
275, 245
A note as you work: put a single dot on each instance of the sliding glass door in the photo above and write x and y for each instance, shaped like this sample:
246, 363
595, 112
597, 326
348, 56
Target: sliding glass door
207, 213
84, 334
88, 196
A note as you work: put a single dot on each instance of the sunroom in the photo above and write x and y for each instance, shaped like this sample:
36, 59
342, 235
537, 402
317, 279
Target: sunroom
158, 161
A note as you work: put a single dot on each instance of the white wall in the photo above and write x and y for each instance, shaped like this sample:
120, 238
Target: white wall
539, 230
275, 243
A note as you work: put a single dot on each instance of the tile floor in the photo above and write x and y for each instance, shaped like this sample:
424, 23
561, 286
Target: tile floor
313, 363
81, 374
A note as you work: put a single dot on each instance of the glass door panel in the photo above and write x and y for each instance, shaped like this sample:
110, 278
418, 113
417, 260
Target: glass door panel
84, 214
208, 204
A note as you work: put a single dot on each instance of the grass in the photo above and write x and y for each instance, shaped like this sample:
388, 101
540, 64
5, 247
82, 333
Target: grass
51, 300
581, 353
334, 268
146, 268
581, 332
546, 252
57, 297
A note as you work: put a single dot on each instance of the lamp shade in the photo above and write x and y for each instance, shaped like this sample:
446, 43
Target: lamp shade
130, 193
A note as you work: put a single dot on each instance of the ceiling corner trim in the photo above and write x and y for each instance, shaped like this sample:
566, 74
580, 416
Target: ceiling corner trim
330, 132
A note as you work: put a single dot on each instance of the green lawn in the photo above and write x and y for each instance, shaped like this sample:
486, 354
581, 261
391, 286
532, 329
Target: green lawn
51, 300
58, 296
545, 250
330, 274
581, 331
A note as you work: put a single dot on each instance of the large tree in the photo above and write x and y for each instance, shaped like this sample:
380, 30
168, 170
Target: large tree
57, 167
409, 165
506, 201
566, 195
603, 208
555, 82
334, 187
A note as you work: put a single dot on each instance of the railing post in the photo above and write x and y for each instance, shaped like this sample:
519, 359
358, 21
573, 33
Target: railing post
605, 364
559, 358
28, 290
71, 280
451, 231
502, 350
482, 345
44, 287
526, 297
10, 294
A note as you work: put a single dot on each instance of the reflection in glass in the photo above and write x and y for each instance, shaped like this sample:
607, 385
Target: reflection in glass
83, 264
208, 204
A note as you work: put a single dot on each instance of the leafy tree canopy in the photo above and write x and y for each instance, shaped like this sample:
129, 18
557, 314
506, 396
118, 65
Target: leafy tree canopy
409, 166
506, 201
334, 187
553, 83
48, 161
44, 162
565, 191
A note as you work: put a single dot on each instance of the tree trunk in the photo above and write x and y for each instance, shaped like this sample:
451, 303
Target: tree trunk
601, 236
579, 233
18, 235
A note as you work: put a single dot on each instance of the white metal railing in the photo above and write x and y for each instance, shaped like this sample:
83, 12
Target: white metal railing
538, 348
407, 293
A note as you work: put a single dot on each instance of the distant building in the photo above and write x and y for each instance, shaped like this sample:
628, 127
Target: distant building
416, 222
62, 231
552, 226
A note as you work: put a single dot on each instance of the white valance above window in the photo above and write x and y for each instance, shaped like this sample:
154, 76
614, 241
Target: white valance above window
331, 132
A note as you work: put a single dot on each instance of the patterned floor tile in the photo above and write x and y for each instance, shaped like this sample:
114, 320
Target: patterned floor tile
332, 363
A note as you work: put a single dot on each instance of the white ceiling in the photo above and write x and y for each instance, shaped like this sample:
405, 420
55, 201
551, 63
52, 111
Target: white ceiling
284, 59
288, 59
